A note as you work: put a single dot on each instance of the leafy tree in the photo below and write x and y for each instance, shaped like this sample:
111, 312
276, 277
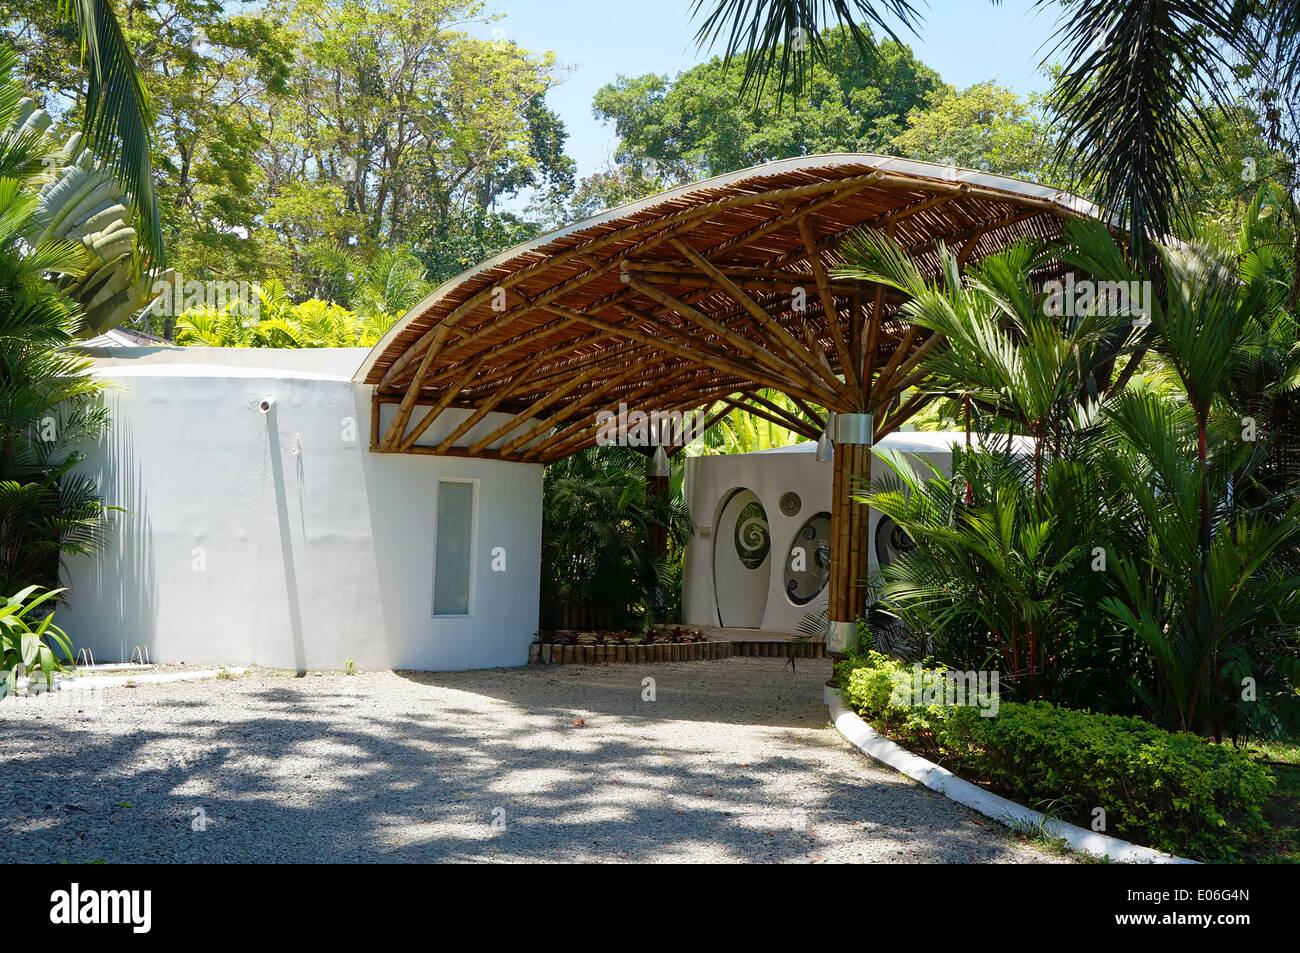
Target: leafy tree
416, 122
986, 127
699, 125
1131, 101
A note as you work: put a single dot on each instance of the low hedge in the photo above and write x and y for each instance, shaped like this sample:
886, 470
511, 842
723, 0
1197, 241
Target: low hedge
1176, 792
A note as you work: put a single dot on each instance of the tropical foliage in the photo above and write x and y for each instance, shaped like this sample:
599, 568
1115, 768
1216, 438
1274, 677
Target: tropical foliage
29, 637
49, 406
597, 528
1128, 556
379, 293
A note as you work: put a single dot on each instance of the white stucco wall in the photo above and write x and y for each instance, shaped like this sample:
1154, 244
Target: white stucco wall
769, 474
279, 539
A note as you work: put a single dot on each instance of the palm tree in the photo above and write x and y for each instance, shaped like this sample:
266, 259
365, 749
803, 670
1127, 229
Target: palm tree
1003, 349
1212, 305
597, 525
998, 565
1159, 492
49, 405
118, 118
785, 35
1132, 98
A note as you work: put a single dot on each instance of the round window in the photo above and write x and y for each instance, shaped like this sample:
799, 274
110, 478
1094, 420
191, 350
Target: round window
808, 564
891, 541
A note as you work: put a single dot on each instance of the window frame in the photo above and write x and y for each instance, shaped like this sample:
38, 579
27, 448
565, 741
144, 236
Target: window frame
472, 600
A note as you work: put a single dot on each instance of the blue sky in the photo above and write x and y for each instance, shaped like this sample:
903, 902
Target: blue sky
966, 41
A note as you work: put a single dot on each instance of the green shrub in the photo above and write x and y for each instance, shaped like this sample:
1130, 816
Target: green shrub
1177, 792
30, 639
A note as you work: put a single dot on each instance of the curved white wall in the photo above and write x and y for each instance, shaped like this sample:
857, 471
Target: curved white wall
769, 474
280, 539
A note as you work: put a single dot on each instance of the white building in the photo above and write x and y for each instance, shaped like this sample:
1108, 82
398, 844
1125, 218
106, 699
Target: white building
275, 537
300, 509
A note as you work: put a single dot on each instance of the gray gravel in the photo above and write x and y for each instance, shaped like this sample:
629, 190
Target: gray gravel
734, 761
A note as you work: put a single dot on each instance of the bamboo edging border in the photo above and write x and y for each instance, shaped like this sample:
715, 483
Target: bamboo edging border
593, 654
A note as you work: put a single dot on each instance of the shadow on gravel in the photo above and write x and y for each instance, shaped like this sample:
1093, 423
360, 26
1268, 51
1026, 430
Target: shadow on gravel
330, 776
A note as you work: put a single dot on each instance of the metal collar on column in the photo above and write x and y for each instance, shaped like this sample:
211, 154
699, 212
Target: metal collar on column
854, 428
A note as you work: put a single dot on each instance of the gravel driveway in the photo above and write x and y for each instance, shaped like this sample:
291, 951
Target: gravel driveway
733, 761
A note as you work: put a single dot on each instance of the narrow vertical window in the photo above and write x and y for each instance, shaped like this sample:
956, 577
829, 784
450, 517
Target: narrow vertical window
453, 557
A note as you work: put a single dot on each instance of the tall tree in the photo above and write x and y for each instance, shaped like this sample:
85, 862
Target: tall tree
675, 131
1134, 97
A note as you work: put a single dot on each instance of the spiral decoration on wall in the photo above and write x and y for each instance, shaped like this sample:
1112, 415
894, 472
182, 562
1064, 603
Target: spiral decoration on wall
753, 539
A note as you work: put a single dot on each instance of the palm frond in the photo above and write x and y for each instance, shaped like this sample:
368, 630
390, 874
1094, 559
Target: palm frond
785, 36
118, 116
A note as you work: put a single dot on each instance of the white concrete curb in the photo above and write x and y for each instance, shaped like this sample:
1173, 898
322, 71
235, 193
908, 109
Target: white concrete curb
863, 737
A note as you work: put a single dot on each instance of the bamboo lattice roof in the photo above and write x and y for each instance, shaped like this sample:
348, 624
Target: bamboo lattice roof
687, 299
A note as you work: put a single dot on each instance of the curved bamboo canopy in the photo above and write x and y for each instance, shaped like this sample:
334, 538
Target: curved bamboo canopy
692, 300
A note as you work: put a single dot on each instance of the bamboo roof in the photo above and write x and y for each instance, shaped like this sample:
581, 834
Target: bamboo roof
692, 300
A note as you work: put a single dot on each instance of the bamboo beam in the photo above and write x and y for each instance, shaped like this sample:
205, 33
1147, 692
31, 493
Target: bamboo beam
829, 308
398, 426
875, 321
577, 442
483, 410
579, 426
436, 410
584, 401
771, 284
796, 422
578, 434
749, 304
803, 430
900, 352
904, 369
699, 354
899, 417
808, 412
709, 421
738, 341
535, 408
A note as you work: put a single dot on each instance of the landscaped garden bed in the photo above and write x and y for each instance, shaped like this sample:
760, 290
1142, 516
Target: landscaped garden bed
1176, 792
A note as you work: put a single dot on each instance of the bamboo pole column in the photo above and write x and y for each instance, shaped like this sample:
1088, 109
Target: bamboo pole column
850, 530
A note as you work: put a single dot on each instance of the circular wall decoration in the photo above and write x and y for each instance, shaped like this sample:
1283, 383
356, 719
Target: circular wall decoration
790, 503
753, 540
891, 541
808, 564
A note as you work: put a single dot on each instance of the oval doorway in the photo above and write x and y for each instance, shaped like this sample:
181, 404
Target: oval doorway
742, 561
